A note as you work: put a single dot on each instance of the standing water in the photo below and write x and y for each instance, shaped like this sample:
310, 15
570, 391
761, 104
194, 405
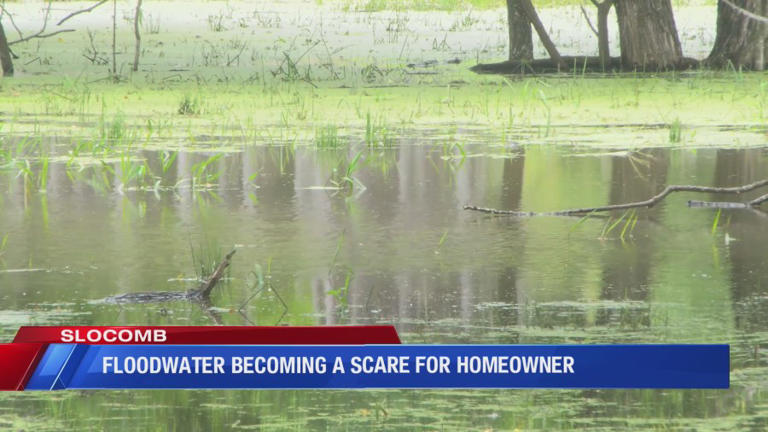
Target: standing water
392, 245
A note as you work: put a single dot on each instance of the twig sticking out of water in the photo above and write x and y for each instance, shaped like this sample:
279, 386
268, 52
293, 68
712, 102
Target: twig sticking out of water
647, 203
205, 288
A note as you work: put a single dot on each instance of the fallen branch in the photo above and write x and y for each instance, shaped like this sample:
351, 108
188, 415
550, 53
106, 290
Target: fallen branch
533, 17
41, 35
4, 12
647, 203
589, 22
88, 9
42, 30
205, 288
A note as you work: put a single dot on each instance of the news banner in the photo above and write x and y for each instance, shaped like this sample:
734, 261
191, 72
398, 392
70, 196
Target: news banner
334, 357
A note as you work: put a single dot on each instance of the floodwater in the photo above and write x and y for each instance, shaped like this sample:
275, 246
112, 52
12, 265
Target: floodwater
397, 248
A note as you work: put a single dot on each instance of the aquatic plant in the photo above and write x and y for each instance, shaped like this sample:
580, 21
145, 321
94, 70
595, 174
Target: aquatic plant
149, 24
440, 243
716, 221
259, 281
3, 245
113, 130
130, 170
344, 174
627, 229
629, 225
166, 160
341, 294
216, 23
24, 170
376, 133
42, 177
205, 259
453, 150
190, 105
327, 137
675, 131
464, 22
202, 175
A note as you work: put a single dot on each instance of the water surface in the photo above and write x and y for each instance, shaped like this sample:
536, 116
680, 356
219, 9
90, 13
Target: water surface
397, 248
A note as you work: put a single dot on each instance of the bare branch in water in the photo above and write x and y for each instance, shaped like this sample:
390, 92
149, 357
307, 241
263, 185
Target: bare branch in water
647, 203
88, 9
41, 36
205, 288
41, 32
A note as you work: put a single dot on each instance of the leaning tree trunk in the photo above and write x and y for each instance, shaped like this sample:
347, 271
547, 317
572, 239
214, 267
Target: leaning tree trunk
6, 61
520, 39
648, 35
533, 17
742, 40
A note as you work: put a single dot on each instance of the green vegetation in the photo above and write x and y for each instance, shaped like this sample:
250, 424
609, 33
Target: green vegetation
337, 159
675, 132
190, 106
327, 137
697, 102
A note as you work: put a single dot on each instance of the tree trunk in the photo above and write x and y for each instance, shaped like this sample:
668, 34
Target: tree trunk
137, 35
6, 61
114, 40
603, 9
520, 39
741, 40
648, 35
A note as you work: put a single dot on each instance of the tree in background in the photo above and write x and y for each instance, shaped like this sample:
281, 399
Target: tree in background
6, 60
742, 34
520, 34
603, 43
647, 32
648, 35
6, 55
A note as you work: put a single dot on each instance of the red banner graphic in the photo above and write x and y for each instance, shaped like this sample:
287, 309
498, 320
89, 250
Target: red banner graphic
196, 335
17, 362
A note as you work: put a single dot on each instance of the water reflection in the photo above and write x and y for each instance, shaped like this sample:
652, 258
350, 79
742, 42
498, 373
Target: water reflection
402, 251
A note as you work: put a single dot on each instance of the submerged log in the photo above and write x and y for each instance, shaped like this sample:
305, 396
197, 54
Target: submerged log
201, 294
650, 202
149, 297
576, 64
718, 204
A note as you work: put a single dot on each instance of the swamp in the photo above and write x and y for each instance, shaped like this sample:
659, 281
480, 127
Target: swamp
334, 145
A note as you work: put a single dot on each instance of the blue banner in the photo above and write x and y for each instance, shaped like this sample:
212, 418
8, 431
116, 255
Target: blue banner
71, 366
